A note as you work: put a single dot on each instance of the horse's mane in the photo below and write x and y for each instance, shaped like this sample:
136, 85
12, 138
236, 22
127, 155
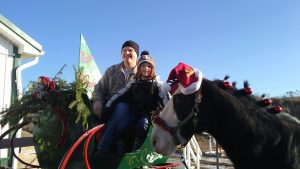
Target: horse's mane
291, 105
242, 106
249, 101
228, 97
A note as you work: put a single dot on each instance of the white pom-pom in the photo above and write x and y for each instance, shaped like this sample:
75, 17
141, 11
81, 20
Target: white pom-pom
165, 87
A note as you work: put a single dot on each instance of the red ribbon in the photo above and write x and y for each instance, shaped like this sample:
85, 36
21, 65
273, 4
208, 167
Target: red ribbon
64, 119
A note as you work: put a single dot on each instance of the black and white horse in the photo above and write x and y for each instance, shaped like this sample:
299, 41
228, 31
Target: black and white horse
252, 137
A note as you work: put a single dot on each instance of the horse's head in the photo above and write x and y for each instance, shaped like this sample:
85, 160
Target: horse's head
174, 125
186, 114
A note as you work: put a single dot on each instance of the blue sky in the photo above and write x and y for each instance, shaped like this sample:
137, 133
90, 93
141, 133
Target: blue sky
254, 40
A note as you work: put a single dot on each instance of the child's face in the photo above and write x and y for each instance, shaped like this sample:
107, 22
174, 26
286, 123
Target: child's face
146, 69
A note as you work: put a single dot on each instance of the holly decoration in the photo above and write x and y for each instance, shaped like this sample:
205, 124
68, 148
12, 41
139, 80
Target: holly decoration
226, 84
278, 109
247, 89
267, 102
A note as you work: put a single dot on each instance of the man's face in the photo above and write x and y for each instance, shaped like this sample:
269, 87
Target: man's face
129, 57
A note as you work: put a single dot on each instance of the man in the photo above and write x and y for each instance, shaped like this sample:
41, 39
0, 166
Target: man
115, 78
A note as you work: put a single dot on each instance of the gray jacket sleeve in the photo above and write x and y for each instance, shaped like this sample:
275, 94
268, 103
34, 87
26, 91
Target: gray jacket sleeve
101, 89
164, 96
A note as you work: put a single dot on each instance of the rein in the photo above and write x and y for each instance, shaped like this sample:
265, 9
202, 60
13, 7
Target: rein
172, 130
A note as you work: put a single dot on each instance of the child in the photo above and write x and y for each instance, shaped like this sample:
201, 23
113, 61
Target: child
143, 96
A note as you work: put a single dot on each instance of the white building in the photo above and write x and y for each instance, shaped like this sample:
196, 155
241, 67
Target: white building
15, 46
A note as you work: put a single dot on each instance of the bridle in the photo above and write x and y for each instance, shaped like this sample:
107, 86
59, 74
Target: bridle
156, 119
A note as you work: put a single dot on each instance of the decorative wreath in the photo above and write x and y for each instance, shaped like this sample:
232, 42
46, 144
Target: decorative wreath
54, 99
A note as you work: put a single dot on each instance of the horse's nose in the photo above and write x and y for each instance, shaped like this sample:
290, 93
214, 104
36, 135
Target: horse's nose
154, 142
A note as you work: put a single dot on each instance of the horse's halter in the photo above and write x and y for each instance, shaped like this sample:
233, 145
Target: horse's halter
173, 130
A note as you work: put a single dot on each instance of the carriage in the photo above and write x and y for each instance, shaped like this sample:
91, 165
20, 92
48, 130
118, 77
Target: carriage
65, 133
80, 153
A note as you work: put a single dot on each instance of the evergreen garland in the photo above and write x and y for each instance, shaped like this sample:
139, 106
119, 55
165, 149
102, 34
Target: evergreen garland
48, 103
81, 89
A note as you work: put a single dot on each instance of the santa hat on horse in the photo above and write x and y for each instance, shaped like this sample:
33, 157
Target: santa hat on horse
184, 77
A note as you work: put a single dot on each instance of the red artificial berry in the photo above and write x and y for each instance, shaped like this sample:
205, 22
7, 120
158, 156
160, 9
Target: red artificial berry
44, 80
52, 85
267, 102
278, 109
36, 95
227, 84
248, 90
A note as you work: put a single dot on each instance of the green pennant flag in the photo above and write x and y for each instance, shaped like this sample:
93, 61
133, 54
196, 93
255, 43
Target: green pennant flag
90, 68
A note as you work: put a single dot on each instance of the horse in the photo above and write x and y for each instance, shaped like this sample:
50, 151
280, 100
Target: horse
251, 136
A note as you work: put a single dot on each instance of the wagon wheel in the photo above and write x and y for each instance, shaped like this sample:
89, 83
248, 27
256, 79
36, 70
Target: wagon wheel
15, 128
13, 150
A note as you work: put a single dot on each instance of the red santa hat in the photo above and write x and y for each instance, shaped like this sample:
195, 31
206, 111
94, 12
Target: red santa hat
184, 77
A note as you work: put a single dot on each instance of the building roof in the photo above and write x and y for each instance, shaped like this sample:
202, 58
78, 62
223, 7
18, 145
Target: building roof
27, 47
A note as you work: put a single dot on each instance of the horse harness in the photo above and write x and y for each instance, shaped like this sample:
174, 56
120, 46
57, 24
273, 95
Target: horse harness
172, 130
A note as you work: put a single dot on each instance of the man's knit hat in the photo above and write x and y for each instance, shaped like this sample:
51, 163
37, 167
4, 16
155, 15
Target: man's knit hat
132, 44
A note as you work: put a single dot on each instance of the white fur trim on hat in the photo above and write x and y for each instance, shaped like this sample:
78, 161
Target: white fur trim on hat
194, 86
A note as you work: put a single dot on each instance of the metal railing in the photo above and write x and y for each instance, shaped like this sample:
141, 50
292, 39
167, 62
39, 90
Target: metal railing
192, 153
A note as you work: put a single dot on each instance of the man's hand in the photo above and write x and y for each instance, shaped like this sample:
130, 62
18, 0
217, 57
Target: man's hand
97, 108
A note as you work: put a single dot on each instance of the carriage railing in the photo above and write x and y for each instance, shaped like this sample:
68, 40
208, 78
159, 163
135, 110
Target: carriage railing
87, 137
192, 153
11, 143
